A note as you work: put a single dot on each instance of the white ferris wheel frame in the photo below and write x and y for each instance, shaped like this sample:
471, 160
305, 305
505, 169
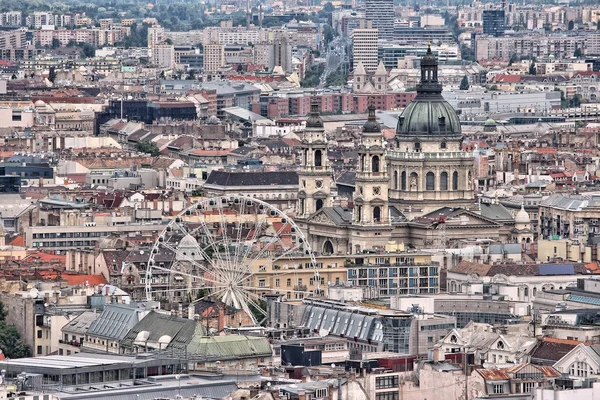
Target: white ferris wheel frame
229, 280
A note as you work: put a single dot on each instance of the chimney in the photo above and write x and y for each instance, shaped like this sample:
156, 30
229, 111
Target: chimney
221, 320
179, 310
301, 395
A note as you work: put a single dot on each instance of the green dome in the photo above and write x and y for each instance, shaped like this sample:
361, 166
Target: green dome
429, 116
489, 122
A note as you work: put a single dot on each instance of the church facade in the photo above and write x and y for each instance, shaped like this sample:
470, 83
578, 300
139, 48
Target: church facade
417, 192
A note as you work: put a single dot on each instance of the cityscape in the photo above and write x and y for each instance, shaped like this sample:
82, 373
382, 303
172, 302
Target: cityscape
299, 200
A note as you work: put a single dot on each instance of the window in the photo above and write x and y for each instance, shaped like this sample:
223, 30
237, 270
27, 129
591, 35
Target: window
386, 382
403, 181
375, 164
455, 180
580, 369
528, 386
277, 282
430, 181
39, 350
261, 283
289, 282
444, 181
395, 180
39, 333
498, 389
387, 396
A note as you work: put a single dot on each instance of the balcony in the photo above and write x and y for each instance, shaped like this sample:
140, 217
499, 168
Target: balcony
70, 342
300, 288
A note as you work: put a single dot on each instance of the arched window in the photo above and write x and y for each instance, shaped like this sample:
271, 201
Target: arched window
403, 181
500, 345
580, 369
376, 214
319, 204
526, 292
395, 179
455, 180
444, 181
328, 247
318, 158
375, 164
430, 181
534, 291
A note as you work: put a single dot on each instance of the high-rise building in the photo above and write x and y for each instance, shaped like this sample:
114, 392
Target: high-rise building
381, 14
493, 22
282, 53
163, 56
364, 49
214, 57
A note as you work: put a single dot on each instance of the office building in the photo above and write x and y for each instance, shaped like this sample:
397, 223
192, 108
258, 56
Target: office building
364, 49
493, 22
381, 14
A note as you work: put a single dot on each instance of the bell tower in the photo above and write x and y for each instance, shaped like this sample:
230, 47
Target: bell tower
314, 176
372, 181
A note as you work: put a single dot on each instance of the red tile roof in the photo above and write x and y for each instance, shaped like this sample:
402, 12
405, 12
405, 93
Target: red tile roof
503, 78
18, 241
91, 280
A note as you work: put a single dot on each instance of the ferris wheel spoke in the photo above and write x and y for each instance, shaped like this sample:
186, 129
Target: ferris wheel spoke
188, 258
171, 271
202, 250
288, 252
247, 296
241, 215
273, 239
253, 289
208, 296
225, 233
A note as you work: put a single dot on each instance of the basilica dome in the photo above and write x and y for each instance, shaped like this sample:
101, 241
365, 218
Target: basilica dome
429, 116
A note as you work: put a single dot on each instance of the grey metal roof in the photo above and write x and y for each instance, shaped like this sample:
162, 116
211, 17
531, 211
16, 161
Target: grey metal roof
115, 321
570, 202
495, 211
338, 214
243, 114
158, 325
80, 324
212, 390
506, 248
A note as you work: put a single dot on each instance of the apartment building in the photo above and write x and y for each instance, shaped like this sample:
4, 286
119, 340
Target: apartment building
84, 236
364, 49
163, 56
381, 15
214, 57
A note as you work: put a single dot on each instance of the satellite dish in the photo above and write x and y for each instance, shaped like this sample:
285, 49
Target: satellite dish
332, 365
142, 252
177, 376
34, 293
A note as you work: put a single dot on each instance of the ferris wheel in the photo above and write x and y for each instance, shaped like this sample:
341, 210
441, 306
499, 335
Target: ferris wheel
233, 249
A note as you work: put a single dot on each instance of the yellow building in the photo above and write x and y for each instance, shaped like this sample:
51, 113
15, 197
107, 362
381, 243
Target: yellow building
391, 273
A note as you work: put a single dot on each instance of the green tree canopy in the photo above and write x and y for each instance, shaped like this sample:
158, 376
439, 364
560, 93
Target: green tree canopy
10, 340
148, 147
464, 83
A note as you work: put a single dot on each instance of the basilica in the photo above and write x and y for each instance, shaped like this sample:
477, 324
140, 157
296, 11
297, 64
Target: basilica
417, 191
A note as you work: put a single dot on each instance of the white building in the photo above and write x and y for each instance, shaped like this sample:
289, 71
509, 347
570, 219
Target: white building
163, 56
364, 48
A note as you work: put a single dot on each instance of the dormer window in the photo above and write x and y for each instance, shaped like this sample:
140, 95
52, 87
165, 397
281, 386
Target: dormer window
443, 145
417, 147
500, 345
442, 121
453, 339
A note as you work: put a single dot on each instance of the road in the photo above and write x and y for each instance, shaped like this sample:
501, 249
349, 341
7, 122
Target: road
336, 54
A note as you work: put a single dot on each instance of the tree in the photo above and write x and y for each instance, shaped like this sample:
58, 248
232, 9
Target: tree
239, 69
148, 147
513, 59
13, 77
578, 53
532, 70
571, 25
464, 83
52, 74
89, 51
10, 340
55, 43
